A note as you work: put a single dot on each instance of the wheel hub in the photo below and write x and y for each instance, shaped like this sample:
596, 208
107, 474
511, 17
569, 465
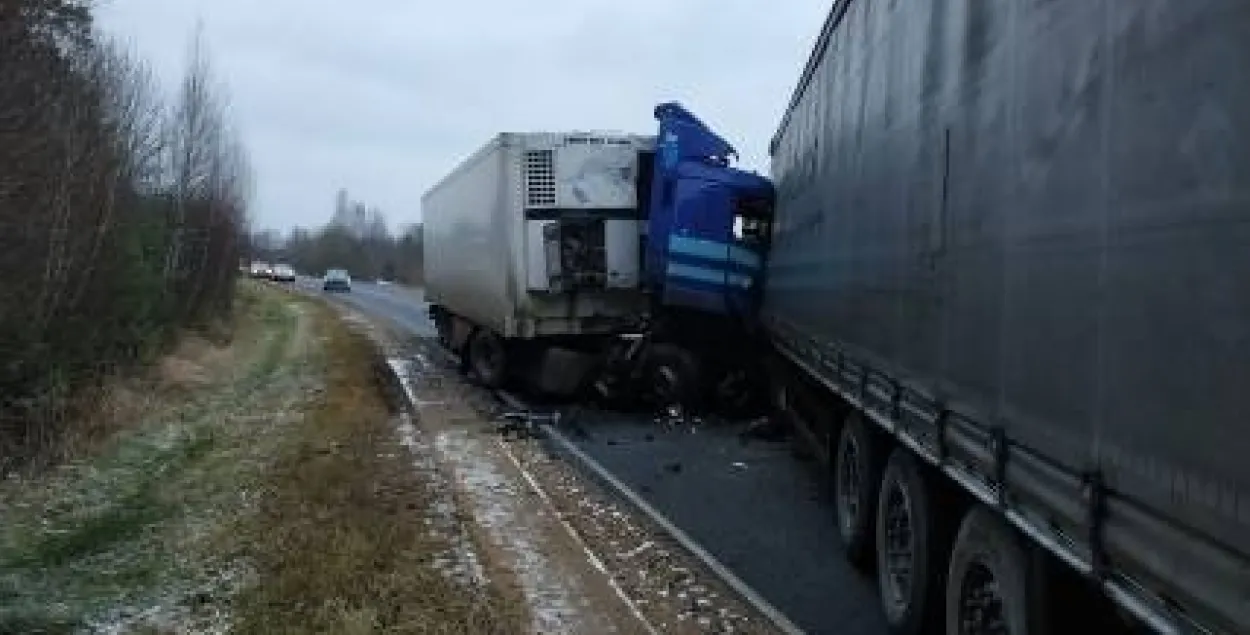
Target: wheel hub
980, 603
850, 479
899, 546
665, 385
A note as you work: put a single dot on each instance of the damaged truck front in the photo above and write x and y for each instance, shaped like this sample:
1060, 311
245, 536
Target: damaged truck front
604, 262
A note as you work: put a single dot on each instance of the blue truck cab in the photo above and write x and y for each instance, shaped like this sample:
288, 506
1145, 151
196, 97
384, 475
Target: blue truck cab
707, 228
706, 231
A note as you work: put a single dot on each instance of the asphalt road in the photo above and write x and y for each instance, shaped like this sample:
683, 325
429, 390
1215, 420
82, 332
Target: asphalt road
762, 512
402, 306
752, 504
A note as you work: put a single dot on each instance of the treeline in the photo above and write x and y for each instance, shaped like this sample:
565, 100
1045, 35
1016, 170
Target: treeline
356, 238
122, 213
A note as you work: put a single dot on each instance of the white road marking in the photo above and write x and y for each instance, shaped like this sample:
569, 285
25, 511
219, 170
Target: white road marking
770, 612
572, 532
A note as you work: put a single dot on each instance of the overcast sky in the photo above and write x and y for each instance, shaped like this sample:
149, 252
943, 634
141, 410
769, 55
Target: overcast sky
383, 97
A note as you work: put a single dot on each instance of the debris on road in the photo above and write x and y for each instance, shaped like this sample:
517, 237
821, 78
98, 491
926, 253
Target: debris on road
521, 540
766, 428
617, 570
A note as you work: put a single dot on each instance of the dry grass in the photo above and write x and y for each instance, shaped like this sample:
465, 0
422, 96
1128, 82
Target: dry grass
201, 361
153, 470
120, 403
341, 541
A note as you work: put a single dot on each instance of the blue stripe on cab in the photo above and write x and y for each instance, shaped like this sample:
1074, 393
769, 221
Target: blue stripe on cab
713, 250
708, 275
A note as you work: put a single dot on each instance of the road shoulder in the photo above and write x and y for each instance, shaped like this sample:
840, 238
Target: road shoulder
623, 563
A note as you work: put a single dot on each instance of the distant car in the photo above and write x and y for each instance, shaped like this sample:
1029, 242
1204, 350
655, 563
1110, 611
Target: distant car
283, 273
336, 280
260, 269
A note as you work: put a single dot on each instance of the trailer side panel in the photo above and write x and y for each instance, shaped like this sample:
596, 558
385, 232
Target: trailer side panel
1035, 217
469, 220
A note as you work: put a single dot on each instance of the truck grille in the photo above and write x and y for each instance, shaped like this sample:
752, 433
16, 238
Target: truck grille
540, 178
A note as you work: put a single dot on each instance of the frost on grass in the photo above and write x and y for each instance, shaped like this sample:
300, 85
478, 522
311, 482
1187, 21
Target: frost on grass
193, 608
126, 539
99, 540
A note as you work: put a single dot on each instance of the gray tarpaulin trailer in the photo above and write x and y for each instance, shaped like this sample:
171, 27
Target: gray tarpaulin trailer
1014, 237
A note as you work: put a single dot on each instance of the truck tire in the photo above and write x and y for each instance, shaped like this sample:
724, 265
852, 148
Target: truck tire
995, 583
911, 547
856, 468
487, 358
742, 393
673, 377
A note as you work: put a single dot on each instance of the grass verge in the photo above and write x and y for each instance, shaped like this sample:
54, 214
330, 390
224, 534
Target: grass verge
342, 537
266, 492
116, 537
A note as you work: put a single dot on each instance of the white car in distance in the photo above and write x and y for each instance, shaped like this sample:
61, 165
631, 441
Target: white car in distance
283, 273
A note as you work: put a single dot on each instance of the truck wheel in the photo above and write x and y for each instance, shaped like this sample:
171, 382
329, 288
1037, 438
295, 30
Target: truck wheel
856, 477
993, 585
487, 358
742, 394
911, 548
673, 377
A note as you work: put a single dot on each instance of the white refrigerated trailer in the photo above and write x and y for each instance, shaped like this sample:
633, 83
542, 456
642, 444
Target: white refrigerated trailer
533, 240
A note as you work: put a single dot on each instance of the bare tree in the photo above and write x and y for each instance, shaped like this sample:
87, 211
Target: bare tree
120, 220
193, 131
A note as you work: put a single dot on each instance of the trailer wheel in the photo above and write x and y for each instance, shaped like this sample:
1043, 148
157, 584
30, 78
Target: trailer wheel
487, 358
994, 585
911, 547
856, 477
